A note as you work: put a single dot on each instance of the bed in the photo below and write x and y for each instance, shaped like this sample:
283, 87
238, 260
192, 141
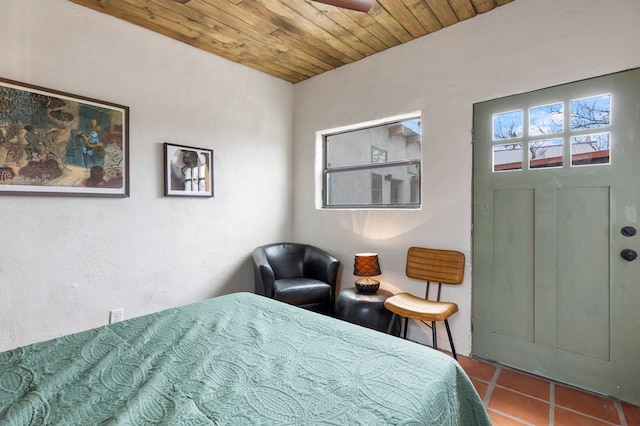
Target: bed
238, 359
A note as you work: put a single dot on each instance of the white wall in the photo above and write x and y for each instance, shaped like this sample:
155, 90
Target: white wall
65, 262
522, 46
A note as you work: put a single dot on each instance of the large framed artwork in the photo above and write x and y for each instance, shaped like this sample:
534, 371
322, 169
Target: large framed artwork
55, 143
188, 171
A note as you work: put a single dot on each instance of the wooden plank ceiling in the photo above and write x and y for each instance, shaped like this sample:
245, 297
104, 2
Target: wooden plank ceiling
292, 39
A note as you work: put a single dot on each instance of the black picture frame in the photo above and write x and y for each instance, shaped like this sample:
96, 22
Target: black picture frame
188, 171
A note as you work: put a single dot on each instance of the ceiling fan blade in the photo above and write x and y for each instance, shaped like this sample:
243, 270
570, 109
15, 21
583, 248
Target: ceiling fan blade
359, 5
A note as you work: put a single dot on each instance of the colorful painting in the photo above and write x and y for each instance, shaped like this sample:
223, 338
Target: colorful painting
53, 143
188, 171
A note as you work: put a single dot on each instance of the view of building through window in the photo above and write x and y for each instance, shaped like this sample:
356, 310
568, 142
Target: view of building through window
374, 166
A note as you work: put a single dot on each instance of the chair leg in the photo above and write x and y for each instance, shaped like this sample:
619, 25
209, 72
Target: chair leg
406, 327
453, 348
434, 335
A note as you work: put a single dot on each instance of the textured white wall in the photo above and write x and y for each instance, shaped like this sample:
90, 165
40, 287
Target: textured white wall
65, 262
522, 46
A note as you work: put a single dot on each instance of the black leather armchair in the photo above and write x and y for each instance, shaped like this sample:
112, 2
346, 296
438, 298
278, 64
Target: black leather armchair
297, 274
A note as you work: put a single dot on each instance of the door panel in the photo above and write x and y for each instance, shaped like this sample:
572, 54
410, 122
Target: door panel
555, 180
582, 295
513, 290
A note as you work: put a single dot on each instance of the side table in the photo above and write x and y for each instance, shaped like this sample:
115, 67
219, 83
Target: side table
366, 310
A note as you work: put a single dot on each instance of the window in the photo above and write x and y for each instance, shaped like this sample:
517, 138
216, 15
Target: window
378, 155
373, 166
539, 135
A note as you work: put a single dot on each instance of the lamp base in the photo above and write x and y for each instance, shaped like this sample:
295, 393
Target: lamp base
367, 286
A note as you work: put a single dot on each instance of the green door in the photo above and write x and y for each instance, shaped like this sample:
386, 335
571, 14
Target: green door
556, 201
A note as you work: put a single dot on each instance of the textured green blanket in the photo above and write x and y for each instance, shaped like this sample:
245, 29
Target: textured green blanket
239, 359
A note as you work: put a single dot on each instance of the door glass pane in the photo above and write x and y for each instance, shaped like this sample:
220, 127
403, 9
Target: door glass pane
589, 113
546, 119
507, 125
546, 153
590, 149
507, 157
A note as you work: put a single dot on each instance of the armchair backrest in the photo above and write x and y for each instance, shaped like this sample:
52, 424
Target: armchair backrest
293, 260
286, 259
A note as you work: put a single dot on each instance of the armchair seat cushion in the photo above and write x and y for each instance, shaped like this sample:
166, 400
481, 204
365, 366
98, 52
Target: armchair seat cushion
301, 291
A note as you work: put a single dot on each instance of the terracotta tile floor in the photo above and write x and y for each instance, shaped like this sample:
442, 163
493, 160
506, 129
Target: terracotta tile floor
515, 398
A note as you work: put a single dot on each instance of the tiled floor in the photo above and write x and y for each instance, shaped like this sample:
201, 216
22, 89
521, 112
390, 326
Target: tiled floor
515, 398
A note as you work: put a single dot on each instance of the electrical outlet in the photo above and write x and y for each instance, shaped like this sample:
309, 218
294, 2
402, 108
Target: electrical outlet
115, 316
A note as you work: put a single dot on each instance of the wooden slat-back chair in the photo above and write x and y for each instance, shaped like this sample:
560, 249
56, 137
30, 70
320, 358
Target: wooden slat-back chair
430, 265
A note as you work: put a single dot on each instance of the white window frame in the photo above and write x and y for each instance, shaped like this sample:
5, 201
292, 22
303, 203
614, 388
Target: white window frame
321, 170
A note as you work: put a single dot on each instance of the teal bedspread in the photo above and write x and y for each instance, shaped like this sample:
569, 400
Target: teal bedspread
239, 359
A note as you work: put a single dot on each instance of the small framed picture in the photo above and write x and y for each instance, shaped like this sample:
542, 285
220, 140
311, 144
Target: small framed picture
188, 171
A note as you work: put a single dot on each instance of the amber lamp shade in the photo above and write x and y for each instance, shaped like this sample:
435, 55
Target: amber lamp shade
366, 265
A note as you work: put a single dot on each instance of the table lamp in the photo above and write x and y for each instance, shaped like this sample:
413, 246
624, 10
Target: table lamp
366, 265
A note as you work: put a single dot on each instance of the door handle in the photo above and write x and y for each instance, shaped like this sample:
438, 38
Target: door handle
628, 254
